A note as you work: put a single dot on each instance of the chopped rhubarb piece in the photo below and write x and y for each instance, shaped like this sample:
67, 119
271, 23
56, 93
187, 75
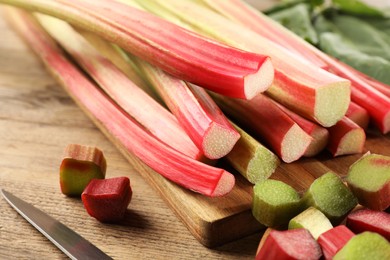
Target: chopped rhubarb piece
346, 137
369, 180
369, 220
274, 203
331, 196
367, 245
306, 89
79, 166
229, 71
313, 220
358, 114
290, 244
333, 240
252, 159
107, 200
319, 134
155, 118
263, 117
124, 131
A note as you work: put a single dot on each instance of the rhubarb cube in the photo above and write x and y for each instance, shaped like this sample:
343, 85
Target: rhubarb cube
367, 245
274, 203
369, 220
79, 166
369, 180
289, 244
107, 200
333, 240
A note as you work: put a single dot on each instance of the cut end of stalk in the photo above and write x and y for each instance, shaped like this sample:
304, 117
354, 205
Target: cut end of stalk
295, 143
332, 103
260, 81
320, 140
386, 124
352, 143
262, 165
225, 184
219, 141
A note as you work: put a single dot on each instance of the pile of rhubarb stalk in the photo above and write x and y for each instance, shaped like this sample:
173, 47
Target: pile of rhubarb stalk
182, 84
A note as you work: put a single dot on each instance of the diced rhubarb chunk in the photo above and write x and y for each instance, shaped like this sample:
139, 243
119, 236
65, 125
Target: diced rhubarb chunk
107, 200
79, 166
333, 240
289, 244
370, 220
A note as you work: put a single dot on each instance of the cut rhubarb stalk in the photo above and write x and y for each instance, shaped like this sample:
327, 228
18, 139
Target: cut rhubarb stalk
333, 240
369, 220
274, 203
188, 56
197, 113
365, 93
346, 137
155, 118
252, 159
319, 134
79, 166
369, 180
366, 245
123, 130
290, 244
358, 114
313, 220
107, 200
329, 194
240, 12
263, 239
306, 89
268, 122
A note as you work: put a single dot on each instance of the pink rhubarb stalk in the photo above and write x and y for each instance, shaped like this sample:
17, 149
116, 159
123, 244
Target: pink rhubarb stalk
319, 134
188, 56
268, 122
155, 118
306, 89
333, 240
126, 132
197, 113
358, 114
346, 137
376, 221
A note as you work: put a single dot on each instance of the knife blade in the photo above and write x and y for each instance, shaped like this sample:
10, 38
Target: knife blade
67, 240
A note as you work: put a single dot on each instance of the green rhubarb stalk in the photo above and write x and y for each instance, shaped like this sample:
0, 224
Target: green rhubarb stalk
308, 90
251, 159
189, 56
156, 119
126, 133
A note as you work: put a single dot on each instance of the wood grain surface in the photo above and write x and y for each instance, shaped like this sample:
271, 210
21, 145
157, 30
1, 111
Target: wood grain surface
38, 119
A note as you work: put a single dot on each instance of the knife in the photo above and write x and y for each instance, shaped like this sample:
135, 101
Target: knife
68, 241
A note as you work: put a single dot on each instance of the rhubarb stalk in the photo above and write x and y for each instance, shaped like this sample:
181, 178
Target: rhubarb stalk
126, 132
156, 119
269, 123
308, 90
189, 56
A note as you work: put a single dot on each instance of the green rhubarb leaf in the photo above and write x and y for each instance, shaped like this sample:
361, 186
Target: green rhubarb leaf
274, 203
361, 7
329, 194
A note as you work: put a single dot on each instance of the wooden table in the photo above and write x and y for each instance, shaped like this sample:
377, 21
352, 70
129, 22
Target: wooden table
37, 121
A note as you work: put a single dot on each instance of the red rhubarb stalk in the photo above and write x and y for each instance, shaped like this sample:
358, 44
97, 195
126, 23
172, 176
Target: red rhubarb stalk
126, 132
241, 12
155, 118
306, 89
197, 113
262, 117
333, 240
346, 137
188, 56
358, 114
319, 134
